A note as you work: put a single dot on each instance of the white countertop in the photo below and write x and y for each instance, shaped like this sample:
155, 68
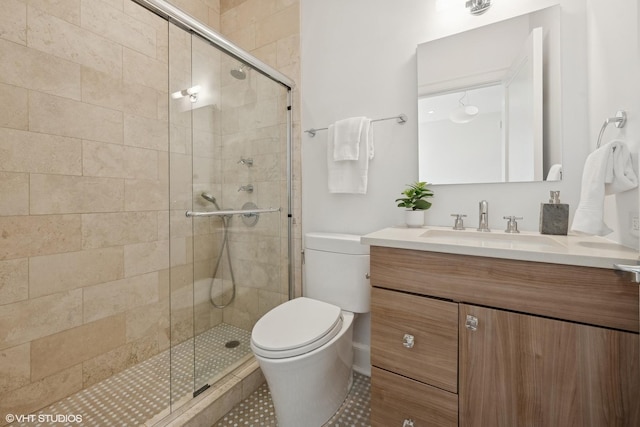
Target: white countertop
588, 251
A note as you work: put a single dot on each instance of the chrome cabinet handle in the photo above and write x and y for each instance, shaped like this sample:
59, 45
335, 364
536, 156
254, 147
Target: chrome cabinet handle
408, 341
635, 269
471, 323
408, 422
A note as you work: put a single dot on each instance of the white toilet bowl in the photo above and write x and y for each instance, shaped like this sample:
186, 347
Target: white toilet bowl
308, 365
305, 346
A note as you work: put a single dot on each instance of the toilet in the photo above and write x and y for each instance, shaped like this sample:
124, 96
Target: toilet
304, 346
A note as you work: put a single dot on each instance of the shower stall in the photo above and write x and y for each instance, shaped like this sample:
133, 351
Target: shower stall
201, 250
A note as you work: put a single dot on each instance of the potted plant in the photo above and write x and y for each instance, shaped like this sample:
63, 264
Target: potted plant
415, 203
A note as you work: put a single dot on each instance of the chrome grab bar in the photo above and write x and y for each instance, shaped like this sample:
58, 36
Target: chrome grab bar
246, 212
635, 269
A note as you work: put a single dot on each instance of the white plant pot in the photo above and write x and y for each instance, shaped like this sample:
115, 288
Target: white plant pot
413, 218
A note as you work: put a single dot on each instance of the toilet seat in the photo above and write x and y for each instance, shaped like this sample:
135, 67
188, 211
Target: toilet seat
296, 327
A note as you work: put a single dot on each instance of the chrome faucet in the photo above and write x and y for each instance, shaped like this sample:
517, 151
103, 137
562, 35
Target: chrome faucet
483, 223
247, 188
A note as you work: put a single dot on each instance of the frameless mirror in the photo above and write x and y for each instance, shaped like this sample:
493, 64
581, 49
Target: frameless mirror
489, 103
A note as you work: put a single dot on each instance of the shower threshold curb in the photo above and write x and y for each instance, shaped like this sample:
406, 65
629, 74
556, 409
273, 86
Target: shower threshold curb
211, 405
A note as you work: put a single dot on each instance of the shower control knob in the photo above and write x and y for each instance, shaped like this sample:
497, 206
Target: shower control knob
408, 422
408, 341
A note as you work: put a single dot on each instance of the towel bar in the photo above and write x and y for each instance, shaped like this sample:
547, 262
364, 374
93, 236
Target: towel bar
620, 120
401, 118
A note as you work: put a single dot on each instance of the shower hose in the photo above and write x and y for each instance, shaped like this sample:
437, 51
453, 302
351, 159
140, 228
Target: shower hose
224, 245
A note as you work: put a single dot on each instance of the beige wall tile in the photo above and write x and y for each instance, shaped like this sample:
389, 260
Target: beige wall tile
14, 280
60, 272
114, 229
119, 27
195, 8
39, 153
52, 194
13, 21
24, 236
163, 225
41, 393
226, 5
119, 359
69, 10
109, 91
60, 116
35, 318
142, 194
57, 37
56, 352
139, 69
146, 321
108, 299
178, 251
146, 133
30, 69
15, 370
14, 193
288, 51
278, 26
100, 88
146, 257
14, 111
117, 161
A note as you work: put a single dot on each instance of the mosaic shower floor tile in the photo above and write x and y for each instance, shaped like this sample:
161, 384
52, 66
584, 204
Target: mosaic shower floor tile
142, 392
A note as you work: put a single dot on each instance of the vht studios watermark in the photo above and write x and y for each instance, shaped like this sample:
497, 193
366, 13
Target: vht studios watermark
43, 418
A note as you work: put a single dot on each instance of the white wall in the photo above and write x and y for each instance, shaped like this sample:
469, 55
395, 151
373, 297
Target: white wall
358, 58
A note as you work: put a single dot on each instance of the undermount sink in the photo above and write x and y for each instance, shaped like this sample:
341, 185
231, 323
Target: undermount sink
496, 239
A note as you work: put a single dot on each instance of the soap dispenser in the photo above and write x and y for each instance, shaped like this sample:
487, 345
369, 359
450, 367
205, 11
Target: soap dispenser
554, 216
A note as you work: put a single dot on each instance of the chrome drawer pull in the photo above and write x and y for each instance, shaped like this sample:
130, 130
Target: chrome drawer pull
407, 422
471, 323
408, 341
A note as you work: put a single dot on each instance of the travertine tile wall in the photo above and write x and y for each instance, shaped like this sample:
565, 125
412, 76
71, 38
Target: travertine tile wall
93, 240
84, 195
270, 30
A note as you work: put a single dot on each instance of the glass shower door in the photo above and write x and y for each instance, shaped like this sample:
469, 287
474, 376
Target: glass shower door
229, 131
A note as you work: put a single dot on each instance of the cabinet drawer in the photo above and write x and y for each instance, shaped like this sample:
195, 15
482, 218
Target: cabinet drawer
433, 324
395, 399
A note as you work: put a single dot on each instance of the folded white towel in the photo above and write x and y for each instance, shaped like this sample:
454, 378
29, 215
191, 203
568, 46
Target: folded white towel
347, 134
350, 176
608, 170
555, 172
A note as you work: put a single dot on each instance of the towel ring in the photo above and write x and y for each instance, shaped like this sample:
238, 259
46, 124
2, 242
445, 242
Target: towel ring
620, 120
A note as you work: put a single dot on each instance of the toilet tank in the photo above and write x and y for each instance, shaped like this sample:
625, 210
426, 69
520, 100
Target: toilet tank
336, 268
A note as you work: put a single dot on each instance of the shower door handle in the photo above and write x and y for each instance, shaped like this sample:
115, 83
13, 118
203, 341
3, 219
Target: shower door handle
190, 214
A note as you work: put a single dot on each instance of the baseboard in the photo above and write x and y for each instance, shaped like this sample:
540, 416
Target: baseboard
362, 358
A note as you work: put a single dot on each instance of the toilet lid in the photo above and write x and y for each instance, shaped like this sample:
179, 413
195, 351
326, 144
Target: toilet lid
295, 327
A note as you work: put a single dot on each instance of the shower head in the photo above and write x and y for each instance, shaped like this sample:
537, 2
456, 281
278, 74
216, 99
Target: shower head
239, 72
209, 198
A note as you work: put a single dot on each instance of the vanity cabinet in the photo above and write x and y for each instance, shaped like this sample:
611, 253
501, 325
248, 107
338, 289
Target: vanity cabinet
501, 342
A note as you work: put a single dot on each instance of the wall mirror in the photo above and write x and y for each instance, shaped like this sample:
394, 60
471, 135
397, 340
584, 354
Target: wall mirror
489, 103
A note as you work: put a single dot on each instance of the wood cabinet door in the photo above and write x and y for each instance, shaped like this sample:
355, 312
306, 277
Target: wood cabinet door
522, 370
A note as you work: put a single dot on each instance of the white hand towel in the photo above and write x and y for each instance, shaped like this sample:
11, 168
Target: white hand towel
347, 134
350, 176
555, 173
608, 170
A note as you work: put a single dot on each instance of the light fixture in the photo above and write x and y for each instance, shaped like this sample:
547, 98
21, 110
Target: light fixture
478, 7
192, 93
463, 113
